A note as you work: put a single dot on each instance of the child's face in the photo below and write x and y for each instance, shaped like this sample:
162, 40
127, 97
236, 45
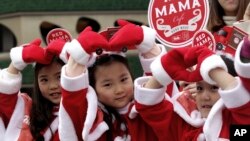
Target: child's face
230, 6
206, 97
114, 85
49, 82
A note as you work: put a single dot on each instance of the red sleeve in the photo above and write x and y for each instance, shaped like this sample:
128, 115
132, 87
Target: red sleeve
241, 115
166, 123
7, 106
158, 116
75, 104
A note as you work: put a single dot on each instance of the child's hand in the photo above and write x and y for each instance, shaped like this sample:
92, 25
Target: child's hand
87, 42
130, 35
174, 64
29, 53
57, 48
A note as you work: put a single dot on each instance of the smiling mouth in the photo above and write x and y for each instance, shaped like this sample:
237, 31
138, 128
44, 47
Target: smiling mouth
206, 106
55, 94
120, 98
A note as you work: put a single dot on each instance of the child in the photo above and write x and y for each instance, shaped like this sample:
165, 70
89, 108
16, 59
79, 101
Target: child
224, 13
216, 109
106, 110
20, 121
45, 100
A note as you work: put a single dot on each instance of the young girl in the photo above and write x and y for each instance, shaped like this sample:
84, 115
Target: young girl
221, 99
106, 109
20, 121
225, 12
45, 101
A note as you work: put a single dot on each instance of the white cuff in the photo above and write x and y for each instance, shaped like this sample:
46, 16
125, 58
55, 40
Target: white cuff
148, 39
147, 96
74, 83
159, 72
211, 62
17, 58
236, 97
10, 83
76, 51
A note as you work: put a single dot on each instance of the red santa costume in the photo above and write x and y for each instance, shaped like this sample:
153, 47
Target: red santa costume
14, 105
15, 109
232, 108
81, 116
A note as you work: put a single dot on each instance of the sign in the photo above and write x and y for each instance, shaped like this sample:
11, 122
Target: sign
58, 33
204, 38
228, 38
176, 21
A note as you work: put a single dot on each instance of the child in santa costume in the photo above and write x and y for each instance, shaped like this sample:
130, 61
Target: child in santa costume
20, 118
98, 102
211, 118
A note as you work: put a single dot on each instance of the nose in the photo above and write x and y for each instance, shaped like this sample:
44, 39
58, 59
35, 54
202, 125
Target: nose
54, 84
119, 89
206, 95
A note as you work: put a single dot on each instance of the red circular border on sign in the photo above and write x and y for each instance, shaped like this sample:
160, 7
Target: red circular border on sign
58, 33
177, 21
204, 38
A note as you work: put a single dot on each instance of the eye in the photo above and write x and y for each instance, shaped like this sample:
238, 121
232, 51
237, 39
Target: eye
124, 79
199, 88
59, 77
214, 88
43, 80
107, 85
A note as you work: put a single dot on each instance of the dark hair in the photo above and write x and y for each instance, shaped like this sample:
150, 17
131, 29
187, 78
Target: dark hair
42, 109
215, 21
105, 60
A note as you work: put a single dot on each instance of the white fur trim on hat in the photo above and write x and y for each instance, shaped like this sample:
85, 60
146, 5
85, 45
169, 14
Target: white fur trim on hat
235, 97
10, 83
66, 128
16, 57
159, 72
147, 96
148, 39
147, 62
211, 62
76, 51
241, 68
74, 83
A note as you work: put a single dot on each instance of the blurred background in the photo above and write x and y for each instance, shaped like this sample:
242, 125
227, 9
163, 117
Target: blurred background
21, 21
